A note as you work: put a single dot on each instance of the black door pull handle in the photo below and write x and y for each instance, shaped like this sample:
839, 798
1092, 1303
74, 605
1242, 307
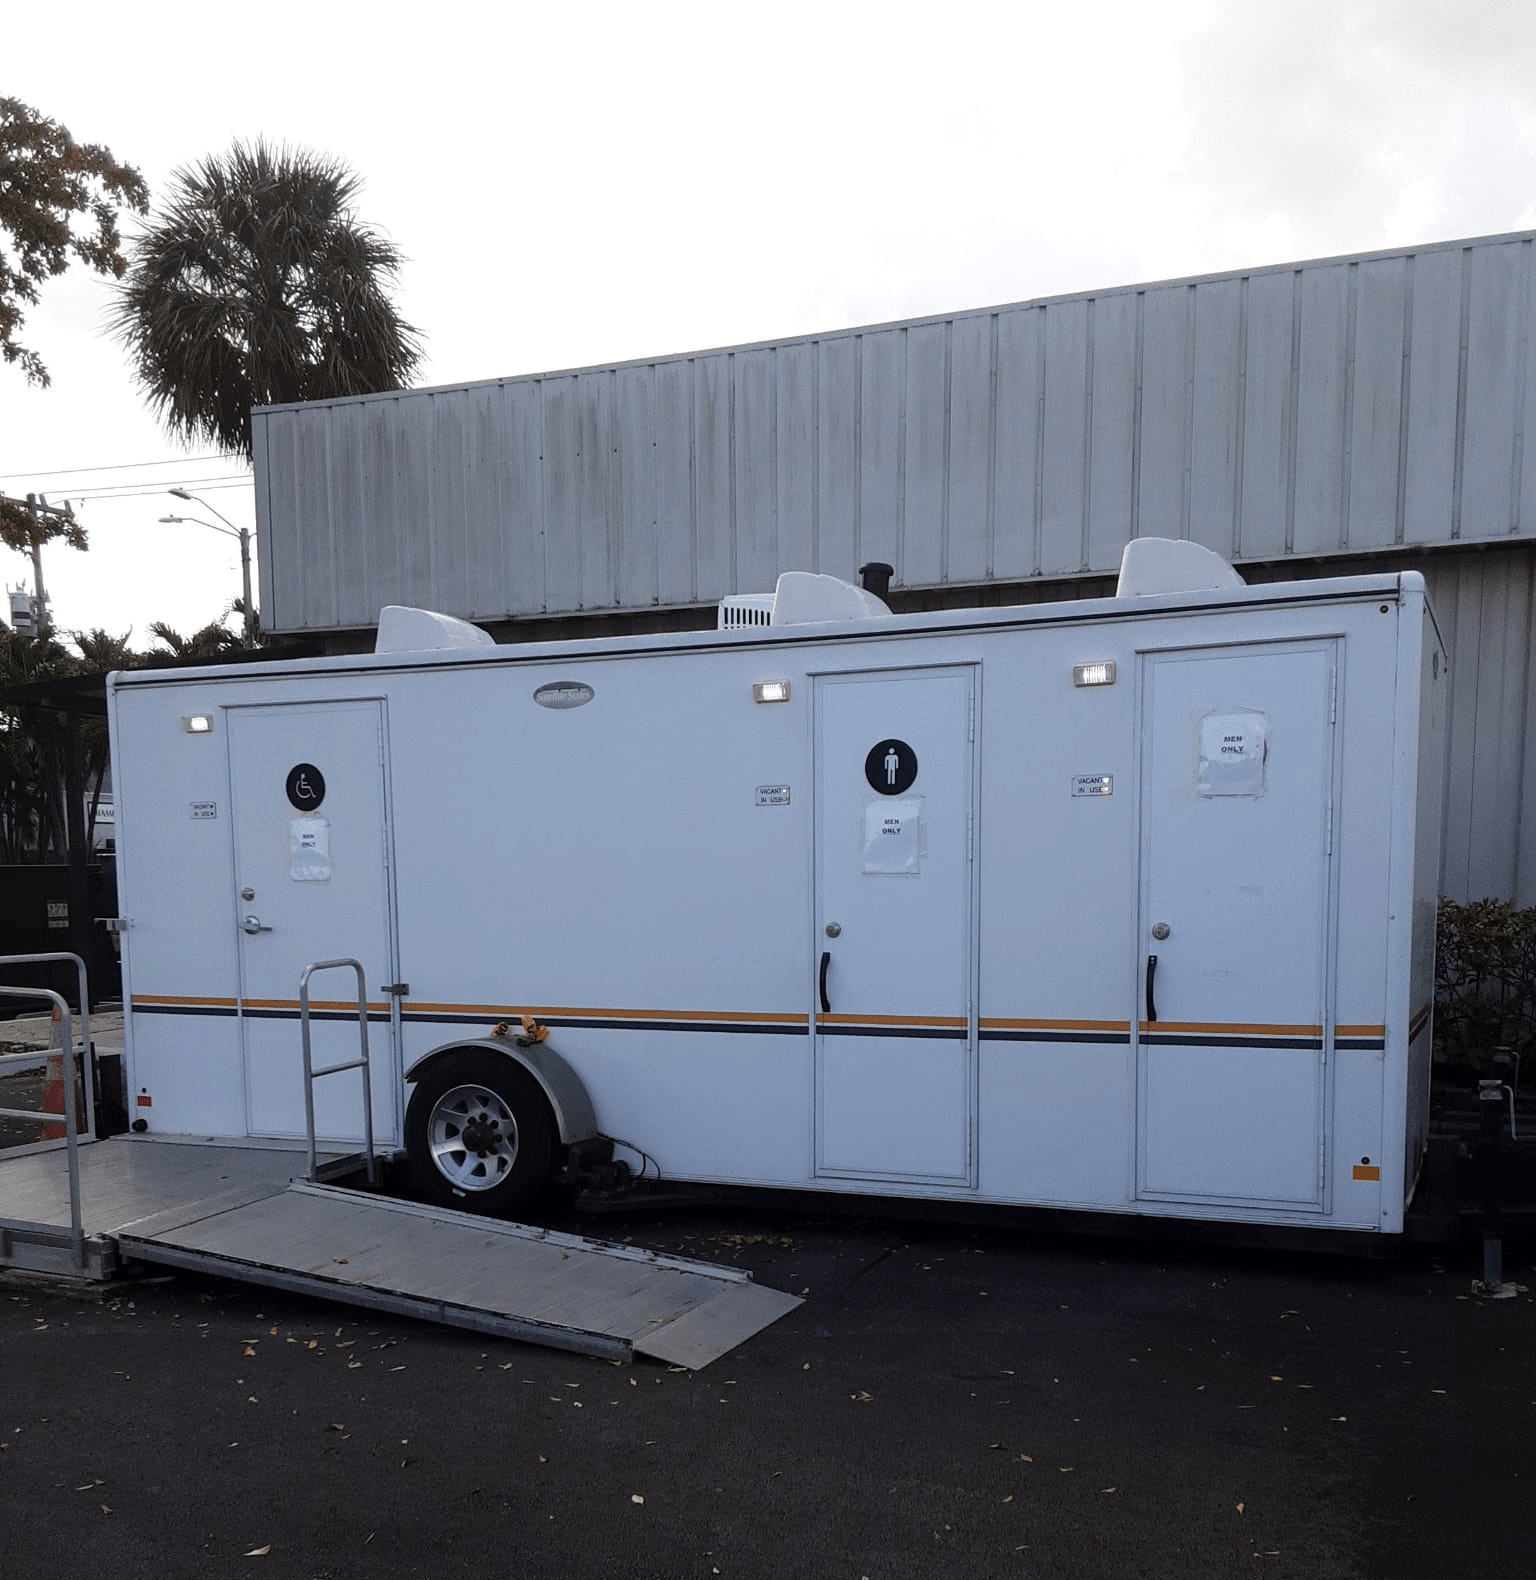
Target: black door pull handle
826, 960
1151, 978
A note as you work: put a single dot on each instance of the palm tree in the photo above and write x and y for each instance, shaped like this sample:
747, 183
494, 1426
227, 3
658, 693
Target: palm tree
32, 752
214, 640
258, 285
100, 653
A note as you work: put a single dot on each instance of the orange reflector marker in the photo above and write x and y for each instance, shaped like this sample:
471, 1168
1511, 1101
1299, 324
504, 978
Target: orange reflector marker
144, 1100
1366, 1171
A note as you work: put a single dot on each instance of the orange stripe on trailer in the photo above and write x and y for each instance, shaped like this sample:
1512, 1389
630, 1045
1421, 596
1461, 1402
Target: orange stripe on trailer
1359, 1031
315, 1003
152, 1000
182, 1001
567, 1012
995, 1023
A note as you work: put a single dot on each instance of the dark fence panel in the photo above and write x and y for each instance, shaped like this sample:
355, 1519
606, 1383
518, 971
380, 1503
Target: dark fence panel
34, 920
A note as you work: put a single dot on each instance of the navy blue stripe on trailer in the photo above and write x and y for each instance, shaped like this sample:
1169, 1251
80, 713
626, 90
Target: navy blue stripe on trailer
375, 1016
228, 1011
842, 1030
1191, 1039
1048, 1034
220, 1009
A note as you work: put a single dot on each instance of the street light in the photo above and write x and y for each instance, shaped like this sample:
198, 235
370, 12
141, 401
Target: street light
229, 529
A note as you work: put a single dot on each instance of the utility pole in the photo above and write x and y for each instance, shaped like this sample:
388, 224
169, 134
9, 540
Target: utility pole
39, 603
46, 521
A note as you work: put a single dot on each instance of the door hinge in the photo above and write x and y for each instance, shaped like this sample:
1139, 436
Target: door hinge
395, 989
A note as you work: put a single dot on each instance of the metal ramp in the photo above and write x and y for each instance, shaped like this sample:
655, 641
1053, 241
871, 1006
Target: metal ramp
507, 1279
235, 1211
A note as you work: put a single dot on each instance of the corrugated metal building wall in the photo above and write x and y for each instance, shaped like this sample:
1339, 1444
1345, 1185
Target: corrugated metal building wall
1305, 413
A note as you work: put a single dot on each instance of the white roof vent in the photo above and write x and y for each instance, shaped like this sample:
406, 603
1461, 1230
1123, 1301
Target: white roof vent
805, 598
741, 610
403, 630
800, 598
1172, 565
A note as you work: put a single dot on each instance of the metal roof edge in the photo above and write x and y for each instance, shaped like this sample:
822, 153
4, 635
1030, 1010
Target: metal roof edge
784, 341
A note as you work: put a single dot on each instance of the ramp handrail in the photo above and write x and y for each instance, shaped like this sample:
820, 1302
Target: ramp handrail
311, 1074
71, 1078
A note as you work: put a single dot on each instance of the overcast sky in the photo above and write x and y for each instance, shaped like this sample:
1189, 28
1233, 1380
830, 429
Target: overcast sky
585, 183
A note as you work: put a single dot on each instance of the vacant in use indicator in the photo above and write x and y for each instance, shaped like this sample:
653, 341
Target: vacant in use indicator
1093, 784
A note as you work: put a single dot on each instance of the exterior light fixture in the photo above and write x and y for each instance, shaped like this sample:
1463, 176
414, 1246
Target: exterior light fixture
197, 723
770, 691
1101, 673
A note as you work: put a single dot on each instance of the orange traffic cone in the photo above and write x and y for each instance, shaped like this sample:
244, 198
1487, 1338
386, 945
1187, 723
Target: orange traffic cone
53, 1087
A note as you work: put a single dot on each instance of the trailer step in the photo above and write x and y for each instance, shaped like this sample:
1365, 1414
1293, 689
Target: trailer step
41, 1250
510, 1280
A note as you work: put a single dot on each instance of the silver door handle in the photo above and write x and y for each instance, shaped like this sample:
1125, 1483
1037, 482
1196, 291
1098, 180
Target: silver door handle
254, 924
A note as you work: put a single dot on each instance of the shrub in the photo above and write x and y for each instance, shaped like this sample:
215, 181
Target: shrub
1485, 981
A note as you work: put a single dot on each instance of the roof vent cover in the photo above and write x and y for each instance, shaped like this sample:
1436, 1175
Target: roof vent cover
1172, 565
403, 630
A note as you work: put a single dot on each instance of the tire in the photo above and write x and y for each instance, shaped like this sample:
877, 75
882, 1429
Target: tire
479, 1134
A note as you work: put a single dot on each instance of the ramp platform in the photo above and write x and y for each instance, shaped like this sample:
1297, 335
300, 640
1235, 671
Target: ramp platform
236, 1212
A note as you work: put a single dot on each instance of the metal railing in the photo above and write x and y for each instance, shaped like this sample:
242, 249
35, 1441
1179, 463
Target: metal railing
311, 1074
72, 1074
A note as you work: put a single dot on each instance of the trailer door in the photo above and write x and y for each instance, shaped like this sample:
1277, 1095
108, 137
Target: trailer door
311, 882
892, 956
1232, 981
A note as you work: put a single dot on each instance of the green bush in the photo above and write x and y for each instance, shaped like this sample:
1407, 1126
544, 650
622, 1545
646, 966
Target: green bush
1485, 981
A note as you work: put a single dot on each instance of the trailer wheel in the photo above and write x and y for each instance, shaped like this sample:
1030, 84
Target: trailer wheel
479, 1134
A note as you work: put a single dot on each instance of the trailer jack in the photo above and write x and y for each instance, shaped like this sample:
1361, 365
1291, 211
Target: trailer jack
1492, 1094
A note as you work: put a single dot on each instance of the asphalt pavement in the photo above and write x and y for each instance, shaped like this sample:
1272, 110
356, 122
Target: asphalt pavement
948, 1401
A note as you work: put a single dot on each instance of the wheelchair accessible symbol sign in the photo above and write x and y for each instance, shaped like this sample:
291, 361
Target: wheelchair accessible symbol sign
891, 767
306, 786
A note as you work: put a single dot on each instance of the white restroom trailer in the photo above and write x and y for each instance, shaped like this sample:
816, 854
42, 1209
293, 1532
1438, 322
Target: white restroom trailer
1123, 905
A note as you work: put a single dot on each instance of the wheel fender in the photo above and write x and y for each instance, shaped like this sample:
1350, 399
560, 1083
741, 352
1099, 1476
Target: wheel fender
568, 1100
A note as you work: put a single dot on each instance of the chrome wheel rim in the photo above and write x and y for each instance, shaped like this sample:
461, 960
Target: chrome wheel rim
472, 1136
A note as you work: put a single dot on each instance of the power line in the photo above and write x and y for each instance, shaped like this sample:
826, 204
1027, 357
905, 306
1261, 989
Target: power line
212, 485
88, 496
122, 466
218, 480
